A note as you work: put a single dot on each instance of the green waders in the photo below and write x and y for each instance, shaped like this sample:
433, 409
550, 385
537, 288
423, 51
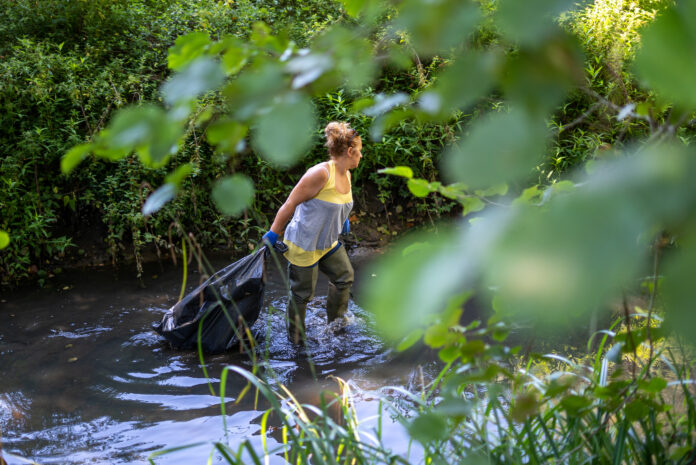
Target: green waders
303, 280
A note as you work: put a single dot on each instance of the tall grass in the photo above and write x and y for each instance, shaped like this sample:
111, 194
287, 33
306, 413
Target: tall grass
630, 401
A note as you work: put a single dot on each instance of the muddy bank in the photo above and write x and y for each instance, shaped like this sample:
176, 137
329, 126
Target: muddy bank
369, 235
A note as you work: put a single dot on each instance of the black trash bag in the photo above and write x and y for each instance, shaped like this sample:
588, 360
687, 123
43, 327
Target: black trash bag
237, 288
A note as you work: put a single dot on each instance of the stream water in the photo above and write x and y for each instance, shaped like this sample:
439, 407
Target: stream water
85, 380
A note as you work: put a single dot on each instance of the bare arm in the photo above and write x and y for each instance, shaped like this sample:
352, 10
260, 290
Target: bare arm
308, 187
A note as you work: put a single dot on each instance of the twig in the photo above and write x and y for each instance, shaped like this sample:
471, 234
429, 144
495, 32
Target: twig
579, 119
422, 79
496, 204
101, 120
84, 114
616, 107
653, 293
630, 336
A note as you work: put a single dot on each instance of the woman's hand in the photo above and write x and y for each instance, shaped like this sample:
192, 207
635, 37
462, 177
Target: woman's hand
269, 239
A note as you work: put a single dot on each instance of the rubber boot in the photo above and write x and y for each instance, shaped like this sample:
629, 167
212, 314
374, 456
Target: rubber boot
296, 317
337, 302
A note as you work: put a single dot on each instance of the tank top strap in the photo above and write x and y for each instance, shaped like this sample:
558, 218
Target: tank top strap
331, 183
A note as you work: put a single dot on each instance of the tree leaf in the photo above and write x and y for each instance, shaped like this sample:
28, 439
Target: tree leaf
146, 128
187, 48
403, 171
500, 148
574, 404
262, 36
437, 335
454, 191
577, 245
353, 58
530, 22
4, 239
637, 410
529, 196
448, 354
653, 386
353, 7
526, 405
419, 187
383, 103
461, 84
407, 288
285, 132
200, 76
677, 286
308, 68
178, 176
132, 126
539, 79
233, 194
667, 57
74, 156
454, 407
436, 26
235, 57
159, 198
226, 134
410, 340
500, 189
471, 205
256, 88
428, 427
550, 258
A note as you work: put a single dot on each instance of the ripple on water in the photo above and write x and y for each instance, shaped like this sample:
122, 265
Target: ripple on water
105, 441
14, 409
141, 396
143, 339
175, 402
79, 333
344, 341
186, 381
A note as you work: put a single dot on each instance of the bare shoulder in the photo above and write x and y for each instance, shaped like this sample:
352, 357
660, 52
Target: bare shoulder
310, 185
318, 173
322, 168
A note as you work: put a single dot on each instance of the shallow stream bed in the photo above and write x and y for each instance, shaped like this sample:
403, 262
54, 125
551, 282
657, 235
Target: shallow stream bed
85, 380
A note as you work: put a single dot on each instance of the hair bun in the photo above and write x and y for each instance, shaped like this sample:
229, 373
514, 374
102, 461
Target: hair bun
339, 137
335, 129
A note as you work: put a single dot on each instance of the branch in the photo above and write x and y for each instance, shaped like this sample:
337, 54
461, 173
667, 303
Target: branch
616, 107
579, 119
653, 293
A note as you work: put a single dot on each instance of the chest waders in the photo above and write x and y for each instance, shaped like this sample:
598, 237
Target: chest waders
312, 240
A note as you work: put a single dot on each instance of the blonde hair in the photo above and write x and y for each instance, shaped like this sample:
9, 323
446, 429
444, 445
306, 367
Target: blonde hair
339, 137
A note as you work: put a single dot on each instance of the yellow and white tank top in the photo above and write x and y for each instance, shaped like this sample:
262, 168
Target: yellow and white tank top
317, 222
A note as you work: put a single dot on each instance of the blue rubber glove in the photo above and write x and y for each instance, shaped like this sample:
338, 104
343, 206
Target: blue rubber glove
269, 239
346, 227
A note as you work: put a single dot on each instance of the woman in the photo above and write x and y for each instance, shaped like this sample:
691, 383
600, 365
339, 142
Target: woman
319, 205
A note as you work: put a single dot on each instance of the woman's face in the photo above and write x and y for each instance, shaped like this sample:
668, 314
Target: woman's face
354, 155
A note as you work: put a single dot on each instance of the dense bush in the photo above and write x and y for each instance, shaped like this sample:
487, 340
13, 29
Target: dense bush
66, 68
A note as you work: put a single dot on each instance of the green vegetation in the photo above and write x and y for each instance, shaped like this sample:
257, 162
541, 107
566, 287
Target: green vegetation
485, 407
63, 83
567, 128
